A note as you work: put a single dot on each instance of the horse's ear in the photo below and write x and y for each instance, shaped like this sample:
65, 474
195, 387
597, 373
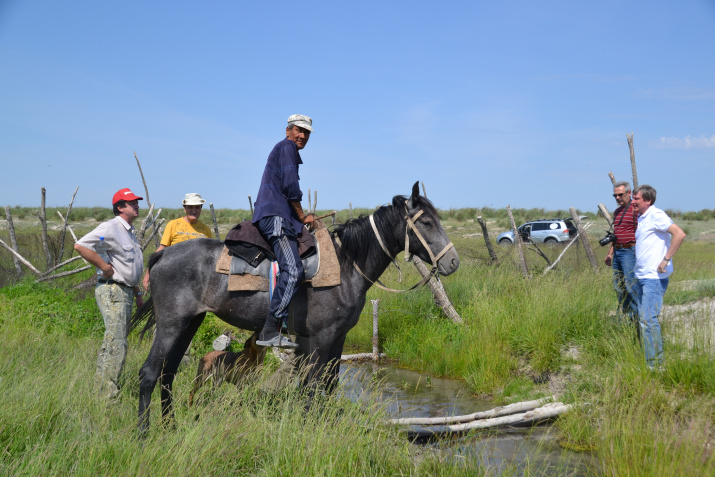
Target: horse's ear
415, 193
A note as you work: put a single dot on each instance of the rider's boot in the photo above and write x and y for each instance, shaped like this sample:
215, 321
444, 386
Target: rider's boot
271, 334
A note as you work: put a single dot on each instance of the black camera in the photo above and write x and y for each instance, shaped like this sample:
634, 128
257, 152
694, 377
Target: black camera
610, 237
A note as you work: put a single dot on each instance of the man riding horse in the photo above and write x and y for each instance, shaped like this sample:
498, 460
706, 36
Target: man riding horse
279, 217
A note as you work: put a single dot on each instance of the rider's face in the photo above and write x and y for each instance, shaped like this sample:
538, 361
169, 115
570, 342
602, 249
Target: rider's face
298, 135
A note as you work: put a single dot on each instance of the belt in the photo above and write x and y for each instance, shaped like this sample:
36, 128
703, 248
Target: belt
112, 282
624, 245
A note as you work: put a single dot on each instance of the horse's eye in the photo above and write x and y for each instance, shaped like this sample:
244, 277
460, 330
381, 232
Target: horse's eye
426, 224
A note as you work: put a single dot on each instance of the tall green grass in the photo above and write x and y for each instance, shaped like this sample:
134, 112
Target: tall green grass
52, 423
518, 335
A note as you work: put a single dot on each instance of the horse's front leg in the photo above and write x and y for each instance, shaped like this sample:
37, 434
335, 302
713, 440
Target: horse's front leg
324, 359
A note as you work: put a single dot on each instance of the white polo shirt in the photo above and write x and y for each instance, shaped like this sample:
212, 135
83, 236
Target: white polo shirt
125, 253
652, 242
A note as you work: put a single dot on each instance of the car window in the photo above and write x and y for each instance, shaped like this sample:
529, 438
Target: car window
554, 225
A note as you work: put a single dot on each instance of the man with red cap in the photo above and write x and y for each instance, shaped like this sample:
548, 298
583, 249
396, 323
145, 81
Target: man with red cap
117, 284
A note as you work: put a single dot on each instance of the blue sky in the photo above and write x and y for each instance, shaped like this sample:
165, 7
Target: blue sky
488, 103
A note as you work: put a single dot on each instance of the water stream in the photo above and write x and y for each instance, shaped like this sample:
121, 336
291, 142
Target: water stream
409, 394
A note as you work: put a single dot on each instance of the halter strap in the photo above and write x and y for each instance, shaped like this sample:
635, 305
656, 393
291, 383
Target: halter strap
411, 225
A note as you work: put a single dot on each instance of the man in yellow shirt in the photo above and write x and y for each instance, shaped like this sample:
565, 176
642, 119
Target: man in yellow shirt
185, 228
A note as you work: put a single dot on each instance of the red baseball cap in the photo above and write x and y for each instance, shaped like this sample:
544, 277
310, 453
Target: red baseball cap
125, 194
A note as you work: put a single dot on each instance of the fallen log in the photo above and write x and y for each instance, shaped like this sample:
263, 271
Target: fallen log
532, 417
492, 413
361, 357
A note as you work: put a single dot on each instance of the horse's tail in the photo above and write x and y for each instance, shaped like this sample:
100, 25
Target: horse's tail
146, 311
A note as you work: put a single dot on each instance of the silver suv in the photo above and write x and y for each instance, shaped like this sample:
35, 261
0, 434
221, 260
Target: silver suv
548, 231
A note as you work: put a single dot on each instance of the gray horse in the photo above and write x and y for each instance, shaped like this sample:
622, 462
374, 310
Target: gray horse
185, 286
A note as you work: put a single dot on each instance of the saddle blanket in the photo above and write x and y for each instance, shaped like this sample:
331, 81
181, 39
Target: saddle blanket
321, 269
245, 241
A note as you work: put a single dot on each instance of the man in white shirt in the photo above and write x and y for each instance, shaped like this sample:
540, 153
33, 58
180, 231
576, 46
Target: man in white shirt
116, 286
657, 240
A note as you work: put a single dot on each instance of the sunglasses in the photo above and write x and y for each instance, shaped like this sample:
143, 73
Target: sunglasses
620, 195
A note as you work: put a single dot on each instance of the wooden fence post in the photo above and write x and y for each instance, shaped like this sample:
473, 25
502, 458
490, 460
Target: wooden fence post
64, 226
605, 213
43, 220
146, 190
613, 179
375, 339
158, 223
13, 241
250, 204
213, 216
633, 160
440, 295
74, 237
584, 240
485, 233
145, 224
517, 239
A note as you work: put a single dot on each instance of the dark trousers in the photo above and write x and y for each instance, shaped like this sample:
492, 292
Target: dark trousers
284, 240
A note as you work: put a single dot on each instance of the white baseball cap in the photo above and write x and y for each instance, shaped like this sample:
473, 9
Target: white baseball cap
301, 121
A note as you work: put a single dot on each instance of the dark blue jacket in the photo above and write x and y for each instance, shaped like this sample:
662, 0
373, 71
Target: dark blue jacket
280, 185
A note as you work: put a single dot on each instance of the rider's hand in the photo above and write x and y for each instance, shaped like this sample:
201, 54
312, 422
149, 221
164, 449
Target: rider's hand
309, 220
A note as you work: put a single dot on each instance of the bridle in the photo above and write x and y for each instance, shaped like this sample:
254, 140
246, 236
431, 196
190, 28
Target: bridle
410, 225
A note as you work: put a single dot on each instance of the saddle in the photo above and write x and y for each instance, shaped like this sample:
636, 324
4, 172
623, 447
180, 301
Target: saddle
246, 258
246, 242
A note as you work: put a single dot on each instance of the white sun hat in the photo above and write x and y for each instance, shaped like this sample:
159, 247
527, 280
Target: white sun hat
193, 198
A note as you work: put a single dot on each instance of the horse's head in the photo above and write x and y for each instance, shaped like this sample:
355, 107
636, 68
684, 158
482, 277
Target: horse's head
425, 236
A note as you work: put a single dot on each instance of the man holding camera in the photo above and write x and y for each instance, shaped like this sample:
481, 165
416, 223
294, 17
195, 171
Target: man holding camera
622, 254
658, 239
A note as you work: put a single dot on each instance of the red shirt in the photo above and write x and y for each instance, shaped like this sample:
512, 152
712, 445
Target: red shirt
625, 224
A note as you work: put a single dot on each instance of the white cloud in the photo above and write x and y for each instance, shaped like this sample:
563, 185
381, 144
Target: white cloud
688, 142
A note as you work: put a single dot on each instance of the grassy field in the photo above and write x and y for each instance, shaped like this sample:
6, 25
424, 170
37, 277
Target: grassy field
521, 338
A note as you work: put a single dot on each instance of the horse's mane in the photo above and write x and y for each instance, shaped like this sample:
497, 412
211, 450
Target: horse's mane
357, 233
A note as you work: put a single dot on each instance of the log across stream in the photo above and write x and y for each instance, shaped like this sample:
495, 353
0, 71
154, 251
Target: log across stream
408, 395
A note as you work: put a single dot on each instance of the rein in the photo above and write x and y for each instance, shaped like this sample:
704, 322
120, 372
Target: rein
410, 225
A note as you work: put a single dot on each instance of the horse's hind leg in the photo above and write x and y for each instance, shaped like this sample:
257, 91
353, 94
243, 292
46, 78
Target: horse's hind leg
171, 365
169, 345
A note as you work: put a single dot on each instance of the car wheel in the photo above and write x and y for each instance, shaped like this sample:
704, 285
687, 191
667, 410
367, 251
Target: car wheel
505, 242
551, 242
